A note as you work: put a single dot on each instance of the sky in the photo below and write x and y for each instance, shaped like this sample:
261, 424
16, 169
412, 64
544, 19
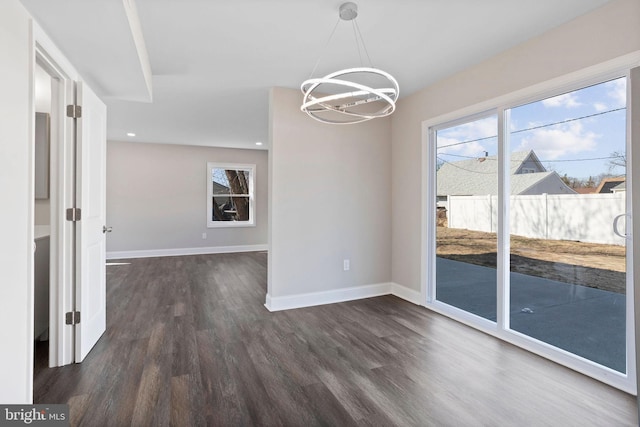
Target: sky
220, 177
574, 133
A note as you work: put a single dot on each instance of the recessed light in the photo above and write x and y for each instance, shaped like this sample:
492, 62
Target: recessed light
258, 143
131, 134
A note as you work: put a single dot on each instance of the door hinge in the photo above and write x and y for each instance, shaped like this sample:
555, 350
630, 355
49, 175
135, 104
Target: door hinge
74, 111
74, 214
72, 317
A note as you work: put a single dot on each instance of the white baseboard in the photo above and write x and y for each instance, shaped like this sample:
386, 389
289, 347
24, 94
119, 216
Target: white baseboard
326, 297
185, 251
406, 294
340, 295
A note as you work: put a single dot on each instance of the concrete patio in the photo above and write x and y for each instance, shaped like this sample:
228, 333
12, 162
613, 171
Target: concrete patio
585, 321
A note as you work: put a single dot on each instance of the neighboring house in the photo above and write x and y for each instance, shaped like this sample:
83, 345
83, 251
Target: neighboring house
619, 188
607, 185
220, 188
480, 177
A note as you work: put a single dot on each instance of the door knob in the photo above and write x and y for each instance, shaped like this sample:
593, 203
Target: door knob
106, 229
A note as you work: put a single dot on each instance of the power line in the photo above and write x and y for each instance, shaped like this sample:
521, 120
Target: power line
583, 160
570, 120
536, 127
467, 142
541, 161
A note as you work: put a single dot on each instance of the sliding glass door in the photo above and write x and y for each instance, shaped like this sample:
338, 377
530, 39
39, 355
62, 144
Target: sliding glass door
528, 214
467, 187
568, 186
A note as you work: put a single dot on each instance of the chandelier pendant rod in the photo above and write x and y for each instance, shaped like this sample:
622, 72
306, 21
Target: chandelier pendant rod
364, 46
324, 49
355, 38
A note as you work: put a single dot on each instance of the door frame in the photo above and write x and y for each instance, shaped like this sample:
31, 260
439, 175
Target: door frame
62, 195
611, 69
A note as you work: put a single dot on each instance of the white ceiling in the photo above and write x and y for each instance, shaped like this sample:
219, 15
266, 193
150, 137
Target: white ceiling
213, 62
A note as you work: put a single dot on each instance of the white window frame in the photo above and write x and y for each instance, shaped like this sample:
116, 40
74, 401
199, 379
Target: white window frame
251, 168
619, 67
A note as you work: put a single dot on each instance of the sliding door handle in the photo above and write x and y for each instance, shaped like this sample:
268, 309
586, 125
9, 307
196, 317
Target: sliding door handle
616, 230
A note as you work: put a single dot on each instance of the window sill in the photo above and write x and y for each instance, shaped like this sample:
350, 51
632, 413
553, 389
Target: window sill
230, 224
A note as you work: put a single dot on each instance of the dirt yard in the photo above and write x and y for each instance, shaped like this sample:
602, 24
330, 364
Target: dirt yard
589, 264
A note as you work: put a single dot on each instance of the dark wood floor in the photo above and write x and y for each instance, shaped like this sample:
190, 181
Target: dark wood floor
190, 343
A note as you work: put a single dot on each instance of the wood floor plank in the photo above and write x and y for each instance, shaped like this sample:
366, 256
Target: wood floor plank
250, 390
327, 408
180, 408
148, 394
190, 343
283, 393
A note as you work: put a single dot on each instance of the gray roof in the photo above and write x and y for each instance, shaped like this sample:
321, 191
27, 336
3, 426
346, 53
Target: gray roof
220, 188
608, 184
522, 182
480, 176
620, 187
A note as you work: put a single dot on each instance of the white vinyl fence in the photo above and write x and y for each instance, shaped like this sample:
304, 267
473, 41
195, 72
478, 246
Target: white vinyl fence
581, 217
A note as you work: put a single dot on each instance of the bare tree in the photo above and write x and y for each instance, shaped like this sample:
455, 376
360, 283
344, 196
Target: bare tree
238, 184
618, 159
573, 182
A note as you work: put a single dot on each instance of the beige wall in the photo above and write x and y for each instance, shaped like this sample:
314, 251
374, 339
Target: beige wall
156, 197
604, 34
330, 201
16, 167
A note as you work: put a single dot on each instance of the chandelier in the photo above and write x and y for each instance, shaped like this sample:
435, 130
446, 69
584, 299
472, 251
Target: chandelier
352, 95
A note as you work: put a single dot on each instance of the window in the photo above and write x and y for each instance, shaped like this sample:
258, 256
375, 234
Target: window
230, 198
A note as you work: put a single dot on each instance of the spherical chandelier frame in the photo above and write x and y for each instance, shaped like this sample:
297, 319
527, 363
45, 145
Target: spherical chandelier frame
314, 106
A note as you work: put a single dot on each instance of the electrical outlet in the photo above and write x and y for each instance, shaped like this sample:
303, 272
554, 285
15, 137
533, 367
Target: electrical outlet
204, 236
346, 265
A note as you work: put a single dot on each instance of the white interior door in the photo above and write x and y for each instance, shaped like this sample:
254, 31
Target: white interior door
90, 238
